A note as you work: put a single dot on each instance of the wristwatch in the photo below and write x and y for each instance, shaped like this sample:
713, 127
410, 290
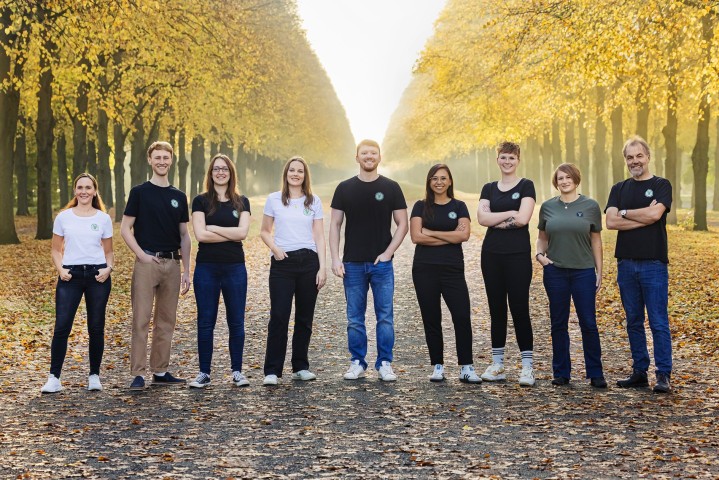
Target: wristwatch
623, 213
112, 269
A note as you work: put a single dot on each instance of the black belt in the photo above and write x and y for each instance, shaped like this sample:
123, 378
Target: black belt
85, 267
174, 254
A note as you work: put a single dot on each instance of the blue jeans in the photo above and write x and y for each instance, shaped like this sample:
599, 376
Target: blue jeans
211, 279
645, 284
564, 285
359, 277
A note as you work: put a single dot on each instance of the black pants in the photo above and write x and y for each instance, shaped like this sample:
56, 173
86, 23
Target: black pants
431, 282
507, 278
294, 276
67, 299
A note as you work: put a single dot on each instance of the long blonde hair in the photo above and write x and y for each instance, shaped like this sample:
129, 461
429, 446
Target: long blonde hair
97, 202
306, 183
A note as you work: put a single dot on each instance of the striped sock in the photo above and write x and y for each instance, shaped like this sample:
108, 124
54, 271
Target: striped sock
498, 355
528, 359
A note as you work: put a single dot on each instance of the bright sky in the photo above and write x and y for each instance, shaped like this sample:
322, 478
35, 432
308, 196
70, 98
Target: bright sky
368, 48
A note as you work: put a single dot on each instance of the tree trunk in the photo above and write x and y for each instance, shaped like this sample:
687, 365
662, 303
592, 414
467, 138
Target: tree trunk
618, 163
182, 162
715, 199
197, 165
119, 136
226, 149
138, 163
92, 158
570, 142
242, 168
172, 133
62, 181
584, 155
104, 178
44, 136
670, 142
556, 144
544, 184
601, 162
213, 149
79, 131
21, 169
642, 111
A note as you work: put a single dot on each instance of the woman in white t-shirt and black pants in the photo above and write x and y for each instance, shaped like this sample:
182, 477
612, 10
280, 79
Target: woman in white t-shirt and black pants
82, 254
297, 268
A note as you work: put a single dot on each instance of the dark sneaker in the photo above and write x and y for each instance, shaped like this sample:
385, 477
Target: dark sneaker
598, 382
637, 379
138, 383
560, 381
662, 385
167, 379
201, 381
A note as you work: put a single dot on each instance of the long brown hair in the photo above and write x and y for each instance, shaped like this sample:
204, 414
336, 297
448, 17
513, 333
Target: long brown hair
306, 183
96, 199
232, 192
429, 194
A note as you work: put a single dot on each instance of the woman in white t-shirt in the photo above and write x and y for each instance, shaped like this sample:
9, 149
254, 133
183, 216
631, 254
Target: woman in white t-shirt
83, 257
297, 268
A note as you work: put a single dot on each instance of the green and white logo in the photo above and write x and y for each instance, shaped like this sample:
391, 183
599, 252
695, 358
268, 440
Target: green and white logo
235, 214
174, 203
307, 212
452, 215
94, 227
649, 193
379, 196
515, 195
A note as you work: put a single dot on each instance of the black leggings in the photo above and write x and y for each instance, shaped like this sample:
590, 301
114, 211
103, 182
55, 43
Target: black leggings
431, 282
506, 279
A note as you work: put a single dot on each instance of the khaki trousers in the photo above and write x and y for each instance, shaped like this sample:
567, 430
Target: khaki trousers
158, 282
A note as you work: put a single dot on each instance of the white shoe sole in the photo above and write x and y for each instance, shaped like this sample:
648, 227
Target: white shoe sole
198, 385
348, 376
244, 383
388, 378
43, 390
304, 379
527, 383
94, 389
494, 378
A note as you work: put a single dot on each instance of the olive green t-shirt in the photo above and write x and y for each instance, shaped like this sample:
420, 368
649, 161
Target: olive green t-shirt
568, 227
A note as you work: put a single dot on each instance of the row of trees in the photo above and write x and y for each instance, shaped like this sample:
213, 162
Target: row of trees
571, 80
87, 80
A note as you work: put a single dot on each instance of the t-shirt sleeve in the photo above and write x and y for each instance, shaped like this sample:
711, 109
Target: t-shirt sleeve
663, 194
57, 227
133, 203
417, 209
595, 218
486, 191
268, 210
462, 210
107, 227
399, 202
198, 204
337, 202
246, 204
613, 200
317, 208
528, 189
542, 223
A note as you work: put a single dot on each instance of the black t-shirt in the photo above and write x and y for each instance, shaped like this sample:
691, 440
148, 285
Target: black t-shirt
368, 208
649, 242
224, 216
507, 241
445, 218
158, 213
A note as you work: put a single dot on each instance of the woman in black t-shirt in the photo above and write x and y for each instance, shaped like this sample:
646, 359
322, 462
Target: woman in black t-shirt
220, 220
505, 208
439, 224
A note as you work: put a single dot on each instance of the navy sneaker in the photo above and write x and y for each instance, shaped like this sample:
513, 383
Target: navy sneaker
138, 383
201, 381
638, 379
662, 385
559, 381
167, 379
598, 382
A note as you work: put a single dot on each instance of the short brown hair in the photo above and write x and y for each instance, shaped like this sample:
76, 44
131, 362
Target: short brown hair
160, 146
369, 143
636, 140
508, 147
571, 170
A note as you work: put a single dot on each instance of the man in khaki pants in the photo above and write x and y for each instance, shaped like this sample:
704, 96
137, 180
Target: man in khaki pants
154, 226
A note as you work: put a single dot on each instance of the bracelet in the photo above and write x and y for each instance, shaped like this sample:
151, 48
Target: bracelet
112, 269
536, 257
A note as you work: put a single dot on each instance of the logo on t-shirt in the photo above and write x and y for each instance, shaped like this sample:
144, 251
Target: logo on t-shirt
379, 196
649, 193
235, 214
94, 227
452, 215
307, 212
515, 195
580, 214
174, 203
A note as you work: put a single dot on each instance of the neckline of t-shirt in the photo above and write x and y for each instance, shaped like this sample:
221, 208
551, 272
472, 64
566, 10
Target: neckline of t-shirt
302, 198
642, 181
443, 204
82, 216
356, 177
505, 191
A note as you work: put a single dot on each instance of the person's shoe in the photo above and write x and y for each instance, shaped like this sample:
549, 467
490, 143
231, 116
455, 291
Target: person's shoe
637, 379
437, 373
138, 383
526, 377
468, 375
560, 381
304, 375
93, 383
385, 372
52, 385
270, 380
355, 371
167, 379
239, 379
662, 385
598, 382
494, 373
201, 381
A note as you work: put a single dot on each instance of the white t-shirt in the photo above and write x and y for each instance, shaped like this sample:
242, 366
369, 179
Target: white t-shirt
293, 223
83, 237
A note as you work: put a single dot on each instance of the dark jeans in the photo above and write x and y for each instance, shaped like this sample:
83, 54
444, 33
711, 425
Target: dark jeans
564, 285
431, 282
294, 276
211, 279
67, 299
506, 279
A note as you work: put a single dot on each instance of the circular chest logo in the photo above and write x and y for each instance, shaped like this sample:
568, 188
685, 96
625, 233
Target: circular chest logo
174, 203
515, 195
94, 227
307, 212
235, 214
580, 214
649, 193
452, 215
379, 196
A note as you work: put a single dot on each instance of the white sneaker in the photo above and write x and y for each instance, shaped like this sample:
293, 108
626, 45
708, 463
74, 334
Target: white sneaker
385, 372
526, 378
468, 375
52, 385
93, 383
201, 381
304, 375
355, 371
437, 373
270, 380
239, 379
494, 373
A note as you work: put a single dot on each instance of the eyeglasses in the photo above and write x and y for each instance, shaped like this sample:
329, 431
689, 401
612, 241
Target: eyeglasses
220, 169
